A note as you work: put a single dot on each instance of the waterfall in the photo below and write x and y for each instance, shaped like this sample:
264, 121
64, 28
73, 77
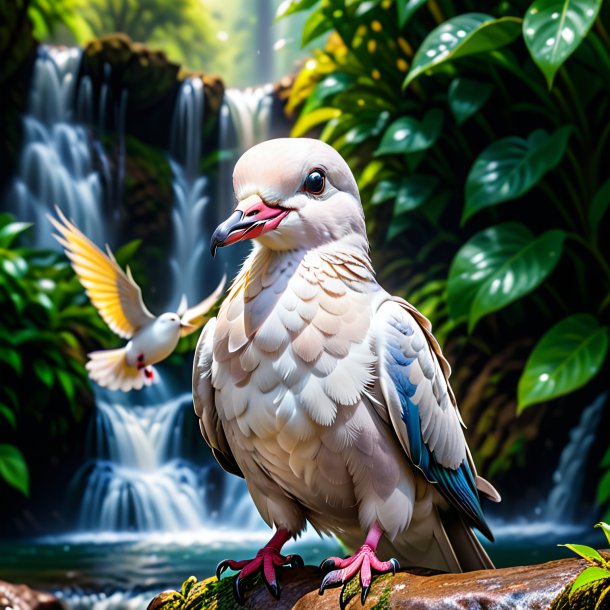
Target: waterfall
190, 238
56, 165
145, 476
562, 503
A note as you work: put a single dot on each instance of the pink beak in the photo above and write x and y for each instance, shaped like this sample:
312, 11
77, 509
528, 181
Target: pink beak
252, 218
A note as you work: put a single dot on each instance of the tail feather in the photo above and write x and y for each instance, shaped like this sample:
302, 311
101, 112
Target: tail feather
109, 369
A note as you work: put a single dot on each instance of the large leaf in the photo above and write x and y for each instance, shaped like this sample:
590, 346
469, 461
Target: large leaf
511, 166
588, 576
553, 30
598, 207
567, 357
413, 192
11, 231
461, 36
408, 135
13, 468
406, 10
466, 97
316, 25
498, 266
288, 7
309, 121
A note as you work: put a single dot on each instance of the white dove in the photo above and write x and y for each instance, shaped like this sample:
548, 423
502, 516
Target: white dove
327, 394
118, 300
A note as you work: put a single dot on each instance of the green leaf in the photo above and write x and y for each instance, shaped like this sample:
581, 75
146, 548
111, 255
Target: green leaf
13, 468
588, 576
499, 266
413, 192
65, 380
288, 7
385, 189
408, 135
510, 167
307, 122
44, 372
12, 358
406, 9
461, 36
605, 528
567, 357
10, 232
603, 489
316, 25
127, 251
599, 206
553, 30
8, 414
466, 97
586, 552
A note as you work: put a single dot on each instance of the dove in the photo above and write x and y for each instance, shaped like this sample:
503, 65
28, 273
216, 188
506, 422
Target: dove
118, 300
330, 396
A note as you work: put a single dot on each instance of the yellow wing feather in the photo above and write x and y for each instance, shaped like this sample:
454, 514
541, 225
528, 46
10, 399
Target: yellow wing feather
196, 316
113, 292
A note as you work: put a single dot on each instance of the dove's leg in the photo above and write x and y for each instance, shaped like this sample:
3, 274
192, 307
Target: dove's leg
266, 561
364, 561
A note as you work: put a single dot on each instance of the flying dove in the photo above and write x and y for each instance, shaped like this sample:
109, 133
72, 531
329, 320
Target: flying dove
118, 300
327, 394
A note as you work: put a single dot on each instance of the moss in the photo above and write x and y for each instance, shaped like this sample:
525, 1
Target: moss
384, 598
209, 594
595, 596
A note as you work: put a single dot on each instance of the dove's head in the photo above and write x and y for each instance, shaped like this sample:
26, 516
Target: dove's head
292, 193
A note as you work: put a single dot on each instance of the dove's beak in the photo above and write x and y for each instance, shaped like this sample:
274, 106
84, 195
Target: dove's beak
187, 326
252, 217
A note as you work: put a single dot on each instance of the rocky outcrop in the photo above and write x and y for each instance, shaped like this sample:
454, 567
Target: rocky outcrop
148, 81
518, 588
17, 53
21, 597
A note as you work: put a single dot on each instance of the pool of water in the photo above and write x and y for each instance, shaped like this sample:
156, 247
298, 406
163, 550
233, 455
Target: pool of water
113, 572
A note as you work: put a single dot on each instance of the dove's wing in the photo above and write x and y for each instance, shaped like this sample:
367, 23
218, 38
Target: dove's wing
114, 293
414, 387
196, 316
204, 401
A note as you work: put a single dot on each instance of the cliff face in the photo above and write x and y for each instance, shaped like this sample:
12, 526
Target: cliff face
537, 587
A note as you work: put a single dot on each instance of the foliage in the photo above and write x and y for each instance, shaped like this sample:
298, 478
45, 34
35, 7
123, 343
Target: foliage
599, 569
46, 324
184, 29
479, 143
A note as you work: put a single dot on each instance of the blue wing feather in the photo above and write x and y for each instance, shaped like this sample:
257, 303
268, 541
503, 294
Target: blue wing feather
457, 486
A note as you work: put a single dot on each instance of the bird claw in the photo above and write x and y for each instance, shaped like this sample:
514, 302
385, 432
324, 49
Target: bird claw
266, 562
364, 563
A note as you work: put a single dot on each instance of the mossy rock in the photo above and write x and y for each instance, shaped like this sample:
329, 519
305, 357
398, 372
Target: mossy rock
209, 594
595, 596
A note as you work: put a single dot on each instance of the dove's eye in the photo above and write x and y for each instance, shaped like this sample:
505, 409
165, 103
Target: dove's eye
315, 182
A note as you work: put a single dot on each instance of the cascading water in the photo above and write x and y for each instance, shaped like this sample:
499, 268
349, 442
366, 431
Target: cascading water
562, 504
189, 190
56, 166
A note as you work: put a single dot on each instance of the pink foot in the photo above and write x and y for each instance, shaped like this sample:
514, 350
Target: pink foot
266, 561
364, 561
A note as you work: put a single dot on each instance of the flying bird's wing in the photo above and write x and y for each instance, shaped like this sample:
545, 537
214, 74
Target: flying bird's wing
194, 317
413, 377
203, 398
113, 292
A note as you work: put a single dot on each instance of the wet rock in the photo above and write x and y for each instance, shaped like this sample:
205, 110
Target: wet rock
21, 597
527, 587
